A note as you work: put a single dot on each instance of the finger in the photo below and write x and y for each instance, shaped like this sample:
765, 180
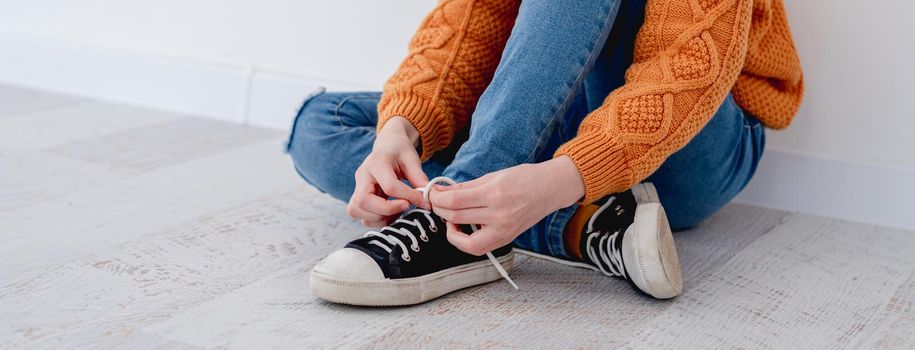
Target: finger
384, 221
463, 185
381, 206
478, 243
375, 224
479, 215
365, 186
357, 213
459, 197
413, 171
394, 188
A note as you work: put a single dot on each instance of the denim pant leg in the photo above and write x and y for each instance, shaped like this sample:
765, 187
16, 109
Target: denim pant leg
712, 168
550, 51
331, 136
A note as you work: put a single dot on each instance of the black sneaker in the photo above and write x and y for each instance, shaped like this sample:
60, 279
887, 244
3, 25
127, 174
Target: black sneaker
629, 237
408, 262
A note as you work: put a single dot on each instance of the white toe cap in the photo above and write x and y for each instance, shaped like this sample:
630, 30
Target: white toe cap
351, 264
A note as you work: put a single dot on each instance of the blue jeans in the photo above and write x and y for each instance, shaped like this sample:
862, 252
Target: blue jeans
560, 62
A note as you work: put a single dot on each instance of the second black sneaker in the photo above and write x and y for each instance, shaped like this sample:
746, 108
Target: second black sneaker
408, 262
629, 237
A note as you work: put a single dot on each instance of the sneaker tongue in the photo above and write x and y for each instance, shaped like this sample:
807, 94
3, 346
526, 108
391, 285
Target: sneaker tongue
375, 252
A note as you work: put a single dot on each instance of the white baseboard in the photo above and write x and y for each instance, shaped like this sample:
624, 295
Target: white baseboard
187, 87
814, 184
232, 93
875, 193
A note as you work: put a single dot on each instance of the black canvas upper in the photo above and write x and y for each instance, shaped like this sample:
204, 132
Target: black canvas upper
435, 255
616, 218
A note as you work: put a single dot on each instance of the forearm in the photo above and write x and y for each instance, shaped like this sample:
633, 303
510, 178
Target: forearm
400, 125
564, 179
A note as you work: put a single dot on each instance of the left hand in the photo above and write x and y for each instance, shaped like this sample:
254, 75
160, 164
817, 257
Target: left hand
505, 203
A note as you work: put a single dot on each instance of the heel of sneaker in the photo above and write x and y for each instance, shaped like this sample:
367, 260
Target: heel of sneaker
651, 255
645, 192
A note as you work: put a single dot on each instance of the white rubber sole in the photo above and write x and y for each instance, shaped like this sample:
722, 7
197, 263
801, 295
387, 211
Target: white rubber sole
407, 291
650, 254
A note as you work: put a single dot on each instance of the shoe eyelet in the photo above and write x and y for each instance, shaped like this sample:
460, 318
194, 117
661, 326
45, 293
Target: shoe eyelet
405, 258
415, 248
424, 238
434, 229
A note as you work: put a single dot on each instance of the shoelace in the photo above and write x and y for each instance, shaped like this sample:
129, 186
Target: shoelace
611, 256
414, 244
607, 251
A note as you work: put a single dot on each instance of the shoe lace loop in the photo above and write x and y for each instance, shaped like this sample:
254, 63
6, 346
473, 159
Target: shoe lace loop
400, 228
608, 256
607, 253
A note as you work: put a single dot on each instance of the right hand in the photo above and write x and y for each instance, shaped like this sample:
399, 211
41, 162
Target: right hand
393, 158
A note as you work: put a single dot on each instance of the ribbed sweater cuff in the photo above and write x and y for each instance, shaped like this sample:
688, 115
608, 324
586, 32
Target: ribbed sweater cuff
602, 163
435, 129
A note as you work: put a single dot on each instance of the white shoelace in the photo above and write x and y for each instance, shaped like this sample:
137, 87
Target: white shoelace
606, 248
414, 246
610, 256
414, 243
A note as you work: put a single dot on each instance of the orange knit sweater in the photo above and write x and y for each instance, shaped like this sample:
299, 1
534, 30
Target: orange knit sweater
688, 55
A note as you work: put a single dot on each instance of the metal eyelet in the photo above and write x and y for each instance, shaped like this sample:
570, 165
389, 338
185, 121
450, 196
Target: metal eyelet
424, 238
434, 229
415, 248
405, 258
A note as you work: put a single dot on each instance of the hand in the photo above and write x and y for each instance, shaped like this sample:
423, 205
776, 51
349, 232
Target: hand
379, 177
506, 203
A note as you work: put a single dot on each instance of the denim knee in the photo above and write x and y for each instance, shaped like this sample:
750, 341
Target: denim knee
316, 111
331, 135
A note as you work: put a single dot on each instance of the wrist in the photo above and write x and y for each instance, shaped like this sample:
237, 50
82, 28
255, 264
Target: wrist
565, 179
403, 126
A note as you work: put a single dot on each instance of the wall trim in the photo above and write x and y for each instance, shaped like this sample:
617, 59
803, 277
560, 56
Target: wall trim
876, 193
240, 94
880, 193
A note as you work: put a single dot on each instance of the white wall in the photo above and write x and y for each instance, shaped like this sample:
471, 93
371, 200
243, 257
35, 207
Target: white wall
856, 57
357, 41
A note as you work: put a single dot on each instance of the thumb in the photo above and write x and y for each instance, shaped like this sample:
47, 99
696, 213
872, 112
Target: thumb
413, 171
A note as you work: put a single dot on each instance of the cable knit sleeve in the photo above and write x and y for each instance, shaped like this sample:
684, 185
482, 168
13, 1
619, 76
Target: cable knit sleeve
688, 55
451, 60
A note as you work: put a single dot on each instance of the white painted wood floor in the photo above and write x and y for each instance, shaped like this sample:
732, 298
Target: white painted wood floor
124, 227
